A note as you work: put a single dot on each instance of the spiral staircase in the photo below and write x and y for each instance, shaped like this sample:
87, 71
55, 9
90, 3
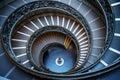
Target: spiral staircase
59, 39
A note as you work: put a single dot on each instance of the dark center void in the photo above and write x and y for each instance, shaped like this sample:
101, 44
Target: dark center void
58, 59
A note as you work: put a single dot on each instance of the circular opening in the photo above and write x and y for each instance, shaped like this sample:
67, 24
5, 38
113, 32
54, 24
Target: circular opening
56, 58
